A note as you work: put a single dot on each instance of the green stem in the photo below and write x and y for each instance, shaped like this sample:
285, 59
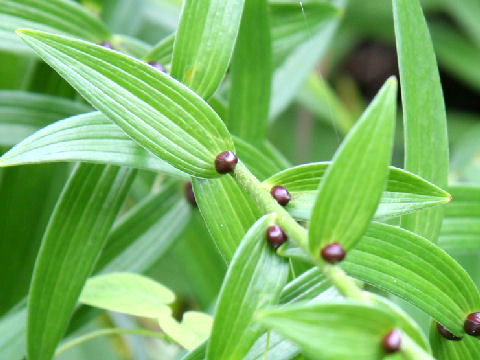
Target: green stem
294, 231
106, 332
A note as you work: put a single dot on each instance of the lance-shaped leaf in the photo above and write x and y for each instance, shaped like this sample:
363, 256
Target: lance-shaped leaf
350, 191
466, 349
127, 293
338, 330
426, 140
227, 211
58, 16
156, 111
404, 193
251, 74
460, 230
22, 113
413, 268
89, 137
254, 280
204, 43
71, 244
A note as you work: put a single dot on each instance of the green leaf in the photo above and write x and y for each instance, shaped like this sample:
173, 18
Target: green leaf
71, 244
22, 113
89, 137
251, 74
293, 23
58, 16
191, 332
350, 191
461, 226
324, 329
130, 45
413, 268
426, 139
301, 62
227, 211
254, 279
144, 233
127, 293
404, 193
204, 43
156, 111
466, 349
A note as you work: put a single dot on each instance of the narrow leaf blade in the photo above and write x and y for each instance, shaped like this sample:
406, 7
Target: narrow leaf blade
204, 43
71, 244
156, 111
413, 268
350, 191
254, 279
426, 139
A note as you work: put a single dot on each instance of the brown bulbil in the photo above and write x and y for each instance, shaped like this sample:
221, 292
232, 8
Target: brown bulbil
447, 334
392, 341
226, 162
276, 236
189, 194
106, 44
333, 253
472, 324
281, 194
157, 66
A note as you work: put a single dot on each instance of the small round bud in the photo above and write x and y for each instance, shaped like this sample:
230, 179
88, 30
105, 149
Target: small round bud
226, 162
157, 66
276, 236
281, 194
392, 341
472, 324
189, 194
106, 44
447, 334
333, 253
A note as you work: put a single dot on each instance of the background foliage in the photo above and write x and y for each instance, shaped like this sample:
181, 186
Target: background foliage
103, 256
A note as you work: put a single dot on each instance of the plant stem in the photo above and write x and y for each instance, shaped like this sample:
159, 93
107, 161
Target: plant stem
106, 332
294, 231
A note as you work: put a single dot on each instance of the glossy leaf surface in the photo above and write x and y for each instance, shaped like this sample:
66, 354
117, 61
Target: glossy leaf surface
404, 192
71, 244
426, 139
413, 268
159, 113
204, 43
350, 191
254, 280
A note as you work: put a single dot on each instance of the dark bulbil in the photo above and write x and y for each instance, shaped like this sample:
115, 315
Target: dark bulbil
472, 324
226, 162
189, 194
281, 194
447, 334
157, 66
333, 253
276, 236
392, 341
